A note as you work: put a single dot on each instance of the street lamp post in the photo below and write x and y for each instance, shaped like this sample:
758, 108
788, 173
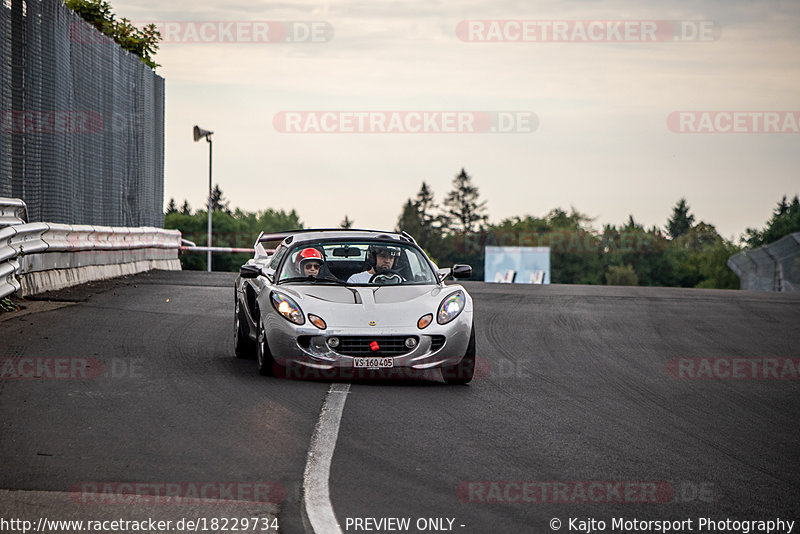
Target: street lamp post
199, 133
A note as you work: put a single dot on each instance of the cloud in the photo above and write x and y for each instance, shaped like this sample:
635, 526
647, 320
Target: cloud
602, 108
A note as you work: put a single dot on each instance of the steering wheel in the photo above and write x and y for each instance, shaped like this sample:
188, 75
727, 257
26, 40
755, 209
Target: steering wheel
387, 276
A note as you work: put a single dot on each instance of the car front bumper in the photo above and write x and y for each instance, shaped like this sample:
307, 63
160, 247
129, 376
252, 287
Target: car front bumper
283, 338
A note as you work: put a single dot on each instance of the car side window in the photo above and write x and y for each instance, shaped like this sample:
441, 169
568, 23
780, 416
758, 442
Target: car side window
413, 262
276, 259
419, 267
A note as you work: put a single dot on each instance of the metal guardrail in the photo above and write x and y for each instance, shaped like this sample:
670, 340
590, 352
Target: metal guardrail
12, 211
31, 247
773, 267
27, 248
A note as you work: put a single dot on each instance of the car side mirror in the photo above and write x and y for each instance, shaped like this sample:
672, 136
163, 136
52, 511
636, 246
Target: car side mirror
461, 271
250, 271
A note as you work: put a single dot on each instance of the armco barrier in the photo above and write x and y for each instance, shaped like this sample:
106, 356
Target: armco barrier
12, 211
37, 257
773, 267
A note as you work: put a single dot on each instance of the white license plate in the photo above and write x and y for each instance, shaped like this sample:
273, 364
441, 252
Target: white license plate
373, 363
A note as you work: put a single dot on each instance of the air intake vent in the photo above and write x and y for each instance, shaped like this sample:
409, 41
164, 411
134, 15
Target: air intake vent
437, 342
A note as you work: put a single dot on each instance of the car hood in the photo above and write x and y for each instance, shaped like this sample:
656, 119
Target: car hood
386, 306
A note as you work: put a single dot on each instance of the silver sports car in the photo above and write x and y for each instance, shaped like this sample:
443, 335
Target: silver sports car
352, 303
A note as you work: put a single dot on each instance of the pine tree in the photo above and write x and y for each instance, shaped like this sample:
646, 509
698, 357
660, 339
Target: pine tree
785, 220
410, 220
421, 219
346, 223
171, 207
463, 210
217, 202
185, 208
431, 219
632, 225
426, 206
681, 221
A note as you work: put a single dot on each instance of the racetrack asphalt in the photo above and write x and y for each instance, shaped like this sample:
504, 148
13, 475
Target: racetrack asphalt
576, 389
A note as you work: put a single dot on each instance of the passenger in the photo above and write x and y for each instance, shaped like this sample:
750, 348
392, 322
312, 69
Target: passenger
379, 258
309, 262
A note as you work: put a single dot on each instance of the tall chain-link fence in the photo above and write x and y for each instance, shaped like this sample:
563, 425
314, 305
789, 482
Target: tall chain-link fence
81, 121
773, 267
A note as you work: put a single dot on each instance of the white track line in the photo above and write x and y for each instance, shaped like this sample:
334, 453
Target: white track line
318, 516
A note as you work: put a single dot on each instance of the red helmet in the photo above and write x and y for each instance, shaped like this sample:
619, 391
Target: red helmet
305, 255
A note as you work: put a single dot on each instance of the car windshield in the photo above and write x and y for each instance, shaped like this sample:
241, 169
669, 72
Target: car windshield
356, 263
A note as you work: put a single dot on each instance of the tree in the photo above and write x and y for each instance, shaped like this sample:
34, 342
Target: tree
575, 249
420, 219
239, 229
427, 208
699, 259
785, 220
171, 208
217, 202
680, 222
642, 250
431, 220
628, 254
410, 220
141, 42
346, 223
185, 208
712, 265
621, 275
463, 210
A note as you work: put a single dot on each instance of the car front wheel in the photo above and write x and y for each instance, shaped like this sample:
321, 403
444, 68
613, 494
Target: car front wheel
461, 373
266, 363
243, 346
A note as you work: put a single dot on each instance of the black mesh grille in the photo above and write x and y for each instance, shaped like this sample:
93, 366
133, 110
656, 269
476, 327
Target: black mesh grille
82, 138
437, 342
360, 345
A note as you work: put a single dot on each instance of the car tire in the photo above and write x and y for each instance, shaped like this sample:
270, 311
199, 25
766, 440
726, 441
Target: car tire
243, 346
264, 358
462, 372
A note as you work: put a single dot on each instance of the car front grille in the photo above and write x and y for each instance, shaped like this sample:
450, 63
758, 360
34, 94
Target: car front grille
360, 345
389, 345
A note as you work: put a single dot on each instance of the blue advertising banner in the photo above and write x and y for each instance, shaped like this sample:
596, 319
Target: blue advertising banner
517, 265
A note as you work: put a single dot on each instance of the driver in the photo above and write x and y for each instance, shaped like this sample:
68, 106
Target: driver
309, 262
379, 258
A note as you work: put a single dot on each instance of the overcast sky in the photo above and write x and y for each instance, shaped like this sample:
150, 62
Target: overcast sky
602, 143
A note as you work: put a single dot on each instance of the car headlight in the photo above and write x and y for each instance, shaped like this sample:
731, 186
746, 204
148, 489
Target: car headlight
450, 307
288, 308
